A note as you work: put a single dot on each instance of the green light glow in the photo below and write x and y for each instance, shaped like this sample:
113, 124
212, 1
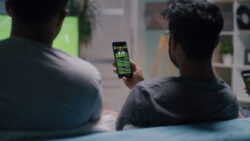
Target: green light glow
67, 40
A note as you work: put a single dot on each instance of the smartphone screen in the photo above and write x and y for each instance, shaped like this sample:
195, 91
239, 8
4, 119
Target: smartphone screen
122, 60
246, 78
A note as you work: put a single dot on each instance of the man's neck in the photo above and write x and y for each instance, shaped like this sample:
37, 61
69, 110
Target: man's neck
198, 71
32, 32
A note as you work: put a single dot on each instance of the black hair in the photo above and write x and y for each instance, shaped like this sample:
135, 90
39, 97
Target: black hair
196, 26
36, 11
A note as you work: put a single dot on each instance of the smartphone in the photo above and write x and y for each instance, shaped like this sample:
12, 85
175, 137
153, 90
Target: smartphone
122, 60
246, 78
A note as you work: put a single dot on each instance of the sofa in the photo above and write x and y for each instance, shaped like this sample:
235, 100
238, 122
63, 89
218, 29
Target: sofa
232, 130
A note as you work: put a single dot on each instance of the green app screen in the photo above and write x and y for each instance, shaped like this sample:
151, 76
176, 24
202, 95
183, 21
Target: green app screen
122, 60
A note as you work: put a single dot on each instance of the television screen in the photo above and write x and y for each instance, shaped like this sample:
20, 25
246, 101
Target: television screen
67, 40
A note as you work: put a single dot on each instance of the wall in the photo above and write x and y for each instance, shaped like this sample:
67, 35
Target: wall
114, 24
2, 7
150, 41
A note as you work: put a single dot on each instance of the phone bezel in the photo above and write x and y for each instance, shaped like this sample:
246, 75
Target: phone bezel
121, 43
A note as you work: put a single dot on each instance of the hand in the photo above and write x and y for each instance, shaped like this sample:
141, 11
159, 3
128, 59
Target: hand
137, 76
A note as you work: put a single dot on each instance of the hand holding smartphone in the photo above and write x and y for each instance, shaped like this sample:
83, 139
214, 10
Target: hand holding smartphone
122, 60
126, 68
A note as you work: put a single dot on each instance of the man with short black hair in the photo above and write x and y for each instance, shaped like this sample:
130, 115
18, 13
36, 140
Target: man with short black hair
197, 95
43, 88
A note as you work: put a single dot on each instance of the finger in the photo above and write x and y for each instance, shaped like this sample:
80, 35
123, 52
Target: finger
125, 80
132, 62
133, 65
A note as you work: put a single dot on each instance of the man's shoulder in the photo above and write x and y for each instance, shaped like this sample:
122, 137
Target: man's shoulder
157, 82
77, 66
51, 60
180, 86
155, 88
76, 61
5, 42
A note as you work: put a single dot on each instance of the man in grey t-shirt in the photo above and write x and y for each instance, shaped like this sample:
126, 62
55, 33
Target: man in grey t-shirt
197, 95
42, 88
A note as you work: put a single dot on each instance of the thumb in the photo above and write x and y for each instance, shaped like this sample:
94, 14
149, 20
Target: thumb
124, 79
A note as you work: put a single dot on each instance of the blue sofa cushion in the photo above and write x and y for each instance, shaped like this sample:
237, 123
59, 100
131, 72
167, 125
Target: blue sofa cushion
233, 130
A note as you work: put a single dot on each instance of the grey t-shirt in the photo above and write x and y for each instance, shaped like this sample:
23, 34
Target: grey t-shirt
172, 101
42, 88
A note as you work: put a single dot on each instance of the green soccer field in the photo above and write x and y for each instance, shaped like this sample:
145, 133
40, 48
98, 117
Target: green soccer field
67, 40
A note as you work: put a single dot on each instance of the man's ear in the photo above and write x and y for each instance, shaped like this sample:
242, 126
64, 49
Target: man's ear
8, 9
62, 15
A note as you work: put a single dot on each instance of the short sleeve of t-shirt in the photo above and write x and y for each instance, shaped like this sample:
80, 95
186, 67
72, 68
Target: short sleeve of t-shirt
132, 110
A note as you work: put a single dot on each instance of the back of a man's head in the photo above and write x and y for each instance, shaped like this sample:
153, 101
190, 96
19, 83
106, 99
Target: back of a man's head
196, 25
36, 11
